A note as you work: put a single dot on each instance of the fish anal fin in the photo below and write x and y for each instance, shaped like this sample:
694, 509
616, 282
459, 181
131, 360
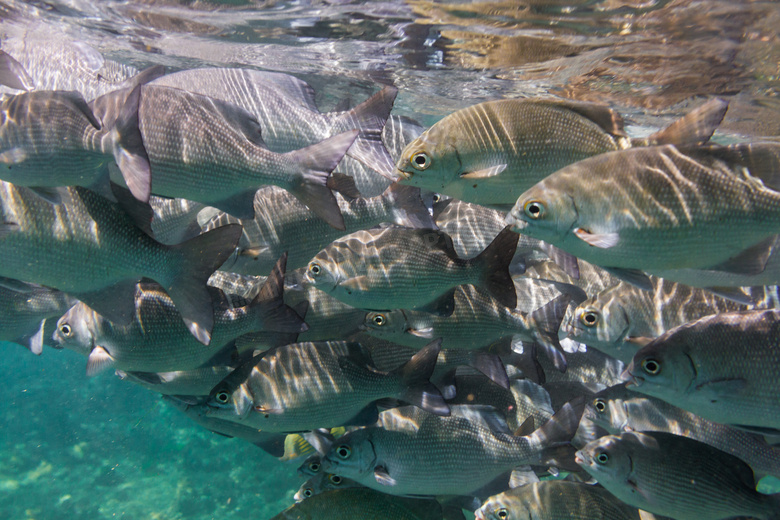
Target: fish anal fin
750, 261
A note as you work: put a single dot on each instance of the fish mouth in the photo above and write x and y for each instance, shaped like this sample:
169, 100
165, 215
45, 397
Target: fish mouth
582, 458
403, 175
631, 379
478, 514
516, 223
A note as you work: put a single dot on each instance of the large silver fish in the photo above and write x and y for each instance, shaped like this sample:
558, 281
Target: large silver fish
677, 477
556, 500
722, 367
617, 409
411, 452
156, 340
305, 386
400, 268
282, 223
216, 155
660, 207
47, 243
492, 152
285, 108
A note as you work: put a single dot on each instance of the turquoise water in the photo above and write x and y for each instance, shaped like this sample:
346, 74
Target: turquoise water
101, 448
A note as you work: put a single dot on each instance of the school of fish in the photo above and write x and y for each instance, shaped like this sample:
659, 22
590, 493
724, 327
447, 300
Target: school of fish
521, 312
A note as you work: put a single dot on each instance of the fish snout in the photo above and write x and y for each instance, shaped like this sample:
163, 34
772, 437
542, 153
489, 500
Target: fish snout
583, 458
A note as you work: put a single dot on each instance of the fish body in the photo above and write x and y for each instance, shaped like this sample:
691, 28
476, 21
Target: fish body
676, 477
282, 223
367, 504
722, 367
657, 207
411, 452
176, 220
400, 268
305, 386
617, 409
47, 243
490, 153
556, 500
195, 382
205, 150
156, 340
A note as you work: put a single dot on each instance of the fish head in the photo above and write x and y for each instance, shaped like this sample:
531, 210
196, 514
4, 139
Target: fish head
75, 329
503, 506
601, 322
311, 487
352, 455
544, 212
312, 466
228, 402
606, 459
607, 412
431, 161
662, 368
325, 270
385, 324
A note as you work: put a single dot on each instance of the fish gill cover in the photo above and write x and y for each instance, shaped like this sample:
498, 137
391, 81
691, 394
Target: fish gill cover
213, 210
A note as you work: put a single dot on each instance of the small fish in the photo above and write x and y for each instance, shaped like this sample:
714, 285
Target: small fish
722, 367
400, 268
157, 340
492, 152
556, 500
677, 477
305, 386
323, 482
617, 409
366, 504
215, 155
659, 207
282, 223
47, 243
411, 452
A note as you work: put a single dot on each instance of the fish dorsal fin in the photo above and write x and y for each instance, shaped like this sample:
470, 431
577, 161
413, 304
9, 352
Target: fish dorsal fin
81, 105
141, 213
760, 160
13, 74
751, 261
696, 127
293, 88
609, 120
527, 428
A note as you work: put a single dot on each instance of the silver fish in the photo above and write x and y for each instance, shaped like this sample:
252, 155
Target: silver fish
659, 208
676, 477
323, 482
282, 223
617, 409
722, 367
556, 500
411, 452
195, 382
157, 340
492, 152
60, 236
216, 155
400, 268
305, 386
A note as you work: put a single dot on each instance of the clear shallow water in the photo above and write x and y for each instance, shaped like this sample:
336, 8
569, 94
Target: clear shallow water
74, 447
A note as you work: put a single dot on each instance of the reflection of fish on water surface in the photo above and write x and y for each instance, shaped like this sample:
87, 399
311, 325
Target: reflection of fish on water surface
275, 124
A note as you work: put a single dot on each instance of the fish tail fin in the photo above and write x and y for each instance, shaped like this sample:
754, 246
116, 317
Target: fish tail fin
369, 119
13, 74
199, 257
494, 265
316, 162
128, 148
696, 127
273, 314
415, 380
407, 207
545, 323
561, 427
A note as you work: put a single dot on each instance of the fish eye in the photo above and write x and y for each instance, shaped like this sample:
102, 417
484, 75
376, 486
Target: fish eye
315, 268
436, 197
602, 458
308, 492
66, 330
420, 161
314, 466
378, 320
651, 366
534, 209
502, 513
335, 480
589, 318
343, 452
600, 405
223, 396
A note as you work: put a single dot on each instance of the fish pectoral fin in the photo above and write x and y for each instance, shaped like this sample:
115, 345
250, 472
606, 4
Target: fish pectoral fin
719, 388
356, 283
99, 360
13, 156
383, 477
600, 240
272, 411
484, 173
635, 277
427, 332
639, 341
